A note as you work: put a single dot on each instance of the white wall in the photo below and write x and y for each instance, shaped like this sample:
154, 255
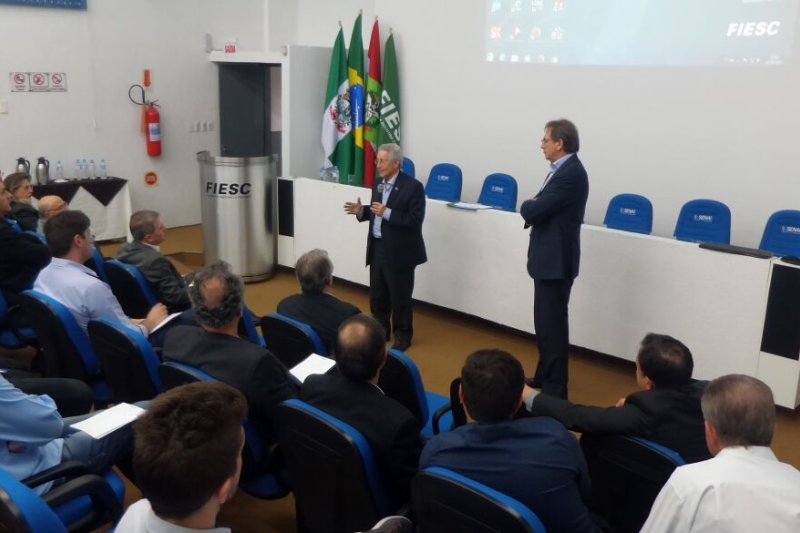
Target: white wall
672, 134
103, 51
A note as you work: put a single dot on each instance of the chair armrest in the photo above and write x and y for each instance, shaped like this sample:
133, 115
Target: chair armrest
70, 469
440, 412
93, 486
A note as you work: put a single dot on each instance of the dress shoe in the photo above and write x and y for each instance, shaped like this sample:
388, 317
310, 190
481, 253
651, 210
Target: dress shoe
401, 345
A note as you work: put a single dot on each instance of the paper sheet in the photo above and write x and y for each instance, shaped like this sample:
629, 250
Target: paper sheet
471, 207
166, 321
110, 420
313, 364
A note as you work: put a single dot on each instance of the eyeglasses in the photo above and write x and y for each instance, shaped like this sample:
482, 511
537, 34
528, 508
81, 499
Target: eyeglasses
545, 141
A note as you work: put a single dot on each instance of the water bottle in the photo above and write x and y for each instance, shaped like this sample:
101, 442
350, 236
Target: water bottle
78, 170
335, 175
92, 169
59, 171
323, 173
85, 169
103, 172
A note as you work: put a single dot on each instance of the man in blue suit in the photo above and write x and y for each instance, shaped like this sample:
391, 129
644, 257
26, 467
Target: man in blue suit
555, 216
395, 246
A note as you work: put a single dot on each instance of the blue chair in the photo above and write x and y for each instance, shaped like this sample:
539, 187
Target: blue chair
407, 167
12, 337
630, 212
444, 183
400, 380
290, 340
66, 349
704, 221
247, 327
132, 290
627, 474
83, 502
128, 360
782, 233
332, 471
500, 191
254, 481
97, 263
445, 501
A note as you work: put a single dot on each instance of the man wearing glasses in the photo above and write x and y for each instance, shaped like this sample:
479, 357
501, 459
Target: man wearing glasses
555, 216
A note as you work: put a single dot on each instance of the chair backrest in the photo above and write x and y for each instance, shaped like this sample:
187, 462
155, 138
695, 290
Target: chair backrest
97, 263
23, 511
400, 380
499, 190
173, 374
444, 183
445, 501
332, 471
290, 340
133, 291
627, 474
704, 221
66, 348
782, 233
407, 167
129, 363
630, 212
8, 337
247, 327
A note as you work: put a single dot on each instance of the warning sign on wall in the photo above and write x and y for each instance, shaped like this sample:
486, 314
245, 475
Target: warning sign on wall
151, 179
38, 82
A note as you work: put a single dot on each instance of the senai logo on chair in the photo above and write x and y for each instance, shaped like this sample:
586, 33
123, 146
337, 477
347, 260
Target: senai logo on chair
703, 218
442, 177
790, 229
627, 211
496, 188
224, 190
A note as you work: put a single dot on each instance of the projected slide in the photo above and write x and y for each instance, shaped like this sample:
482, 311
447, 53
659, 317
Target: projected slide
640, 32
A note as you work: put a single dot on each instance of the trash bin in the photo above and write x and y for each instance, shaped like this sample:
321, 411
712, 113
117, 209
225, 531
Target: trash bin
239, 213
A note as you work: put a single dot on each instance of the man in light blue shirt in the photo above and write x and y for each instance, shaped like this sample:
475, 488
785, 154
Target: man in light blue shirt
34, 437
67, 280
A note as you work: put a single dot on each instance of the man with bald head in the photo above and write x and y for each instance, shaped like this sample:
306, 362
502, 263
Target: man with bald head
217, 296
50, 205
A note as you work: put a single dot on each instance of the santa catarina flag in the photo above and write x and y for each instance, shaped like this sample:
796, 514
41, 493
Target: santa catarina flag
337, 134
355, 74
390, 97
372, 107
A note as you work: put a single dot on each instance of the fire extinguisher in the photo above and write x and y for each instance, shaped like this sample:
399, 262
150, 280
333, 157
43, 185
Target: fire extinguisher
152, 122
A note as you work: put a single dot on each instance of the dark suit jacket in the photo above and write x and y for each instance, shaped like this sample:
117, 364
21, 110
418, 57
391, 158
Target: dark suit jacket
26, 216
536, 461
246, 366
668, 417
168, 284
402, 233
390, 428
322, 311
556, 215
22, 256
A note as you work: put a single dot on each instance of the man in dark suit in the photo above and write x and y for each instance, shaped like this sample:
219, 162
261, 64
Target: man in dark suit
216, 348
395, 245
665, 410
354, 398
555, 216
148, 233
315, 307
534, 460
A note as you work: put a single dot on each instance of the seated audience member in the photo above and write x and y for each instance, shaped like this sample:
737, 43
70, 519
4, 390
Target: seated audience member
534, 460
665, 410
68, 281
215, 347
744, 487
34, 437
148, 233
49, 206
22, 255
187, 459
19, 185
315, 307
71, 396
354, 398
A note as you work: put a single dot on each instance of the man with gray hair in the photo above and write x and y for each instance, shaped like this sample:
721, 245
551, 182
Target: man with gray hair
744, 487
215, 347
144, 253
315, 307
394, 246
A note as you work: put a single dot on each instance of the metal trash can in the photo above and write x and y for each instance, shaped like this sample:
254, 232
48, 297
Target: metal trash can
239, 213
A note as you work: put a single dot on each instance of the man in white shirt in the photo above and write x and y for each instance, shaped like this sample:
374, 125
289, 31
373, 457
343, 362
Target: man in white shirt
187, 459
744, 487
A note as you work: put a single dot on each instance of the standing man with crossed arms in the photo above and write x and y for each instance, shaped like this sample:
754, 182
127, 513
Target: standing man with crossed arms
555, 216
394, 246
